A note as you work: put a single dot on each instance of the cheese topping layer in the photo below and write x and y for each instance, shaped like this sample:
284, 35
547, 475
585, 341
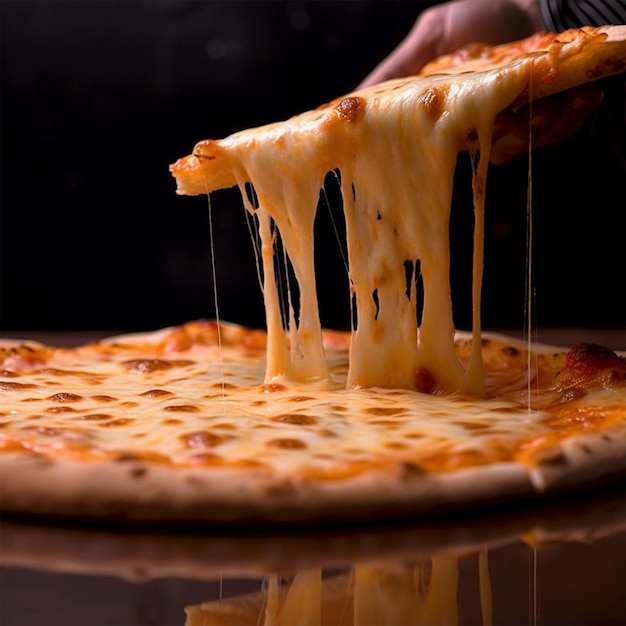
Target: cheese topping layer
199, 403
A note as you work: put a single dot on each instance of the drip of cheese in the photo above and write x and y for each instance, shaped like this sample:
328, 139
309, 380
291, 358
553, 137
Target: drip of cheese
396, 147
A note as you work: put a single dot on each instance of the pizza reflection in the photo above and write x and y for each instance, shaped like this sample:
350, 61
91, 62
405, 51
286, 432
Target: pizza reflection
422, 594
570, 573
562, 562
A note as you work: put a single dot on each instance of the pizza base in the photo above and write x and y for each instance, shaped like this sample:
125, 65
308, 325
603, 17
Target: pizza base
129, 490
137, 491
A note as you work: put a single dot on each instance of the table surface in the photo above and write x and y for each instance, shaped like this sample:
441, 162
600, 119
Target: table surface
561, 562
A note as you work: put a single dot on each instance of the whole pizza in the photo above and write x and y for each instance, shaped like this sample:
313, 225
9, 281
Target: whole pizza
401, 415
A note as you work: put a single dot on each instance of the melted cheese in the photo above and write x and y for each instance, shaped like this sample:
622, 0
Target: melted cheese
207, 405
396, 147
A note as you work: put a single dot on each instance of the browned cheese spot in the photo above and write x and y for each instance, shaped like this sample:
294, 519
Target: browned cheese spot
388, 424
225, 426
202, 439
224, 386
271, 387
156, 393
60, 409
386, 411
127, 457
433, 100
182, 408
327, 432
121, 421
103, 398
349, 109
129, 404
172, 421
205, 458
295, 418
300, 398
287, 444
510, 351
95, 417
10, 386
8, 374
146, 366
396, 445
64, 396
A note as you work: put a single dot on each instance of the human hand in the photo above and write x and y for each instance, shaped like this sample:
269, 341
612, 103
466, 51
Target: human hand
445, 27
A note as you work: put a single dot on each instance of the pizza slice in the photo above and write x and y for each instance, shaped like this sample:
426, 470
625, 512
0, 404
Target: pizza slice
395, 146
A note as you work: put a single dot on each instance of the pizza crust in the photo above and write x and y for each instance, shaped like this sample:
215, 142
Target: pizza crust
132, 491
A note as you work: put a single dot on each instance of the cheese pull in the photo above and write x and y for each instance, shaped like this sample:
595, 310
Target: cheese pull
396, 146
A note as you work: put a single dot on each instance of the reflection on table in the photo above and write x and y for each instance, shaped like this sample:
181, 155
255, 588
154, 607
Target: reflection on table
544, 564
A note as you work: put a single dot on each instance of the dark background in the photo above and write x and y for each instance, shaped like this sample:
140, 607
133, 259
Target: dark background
99, 97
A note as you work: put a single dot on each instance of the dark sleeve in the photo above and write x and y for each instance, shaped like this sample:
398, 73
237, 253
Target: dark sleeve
559, 15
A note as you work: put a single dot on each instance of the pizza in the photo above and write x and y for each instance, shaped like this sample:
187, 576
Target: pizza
181, 425
401, 415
